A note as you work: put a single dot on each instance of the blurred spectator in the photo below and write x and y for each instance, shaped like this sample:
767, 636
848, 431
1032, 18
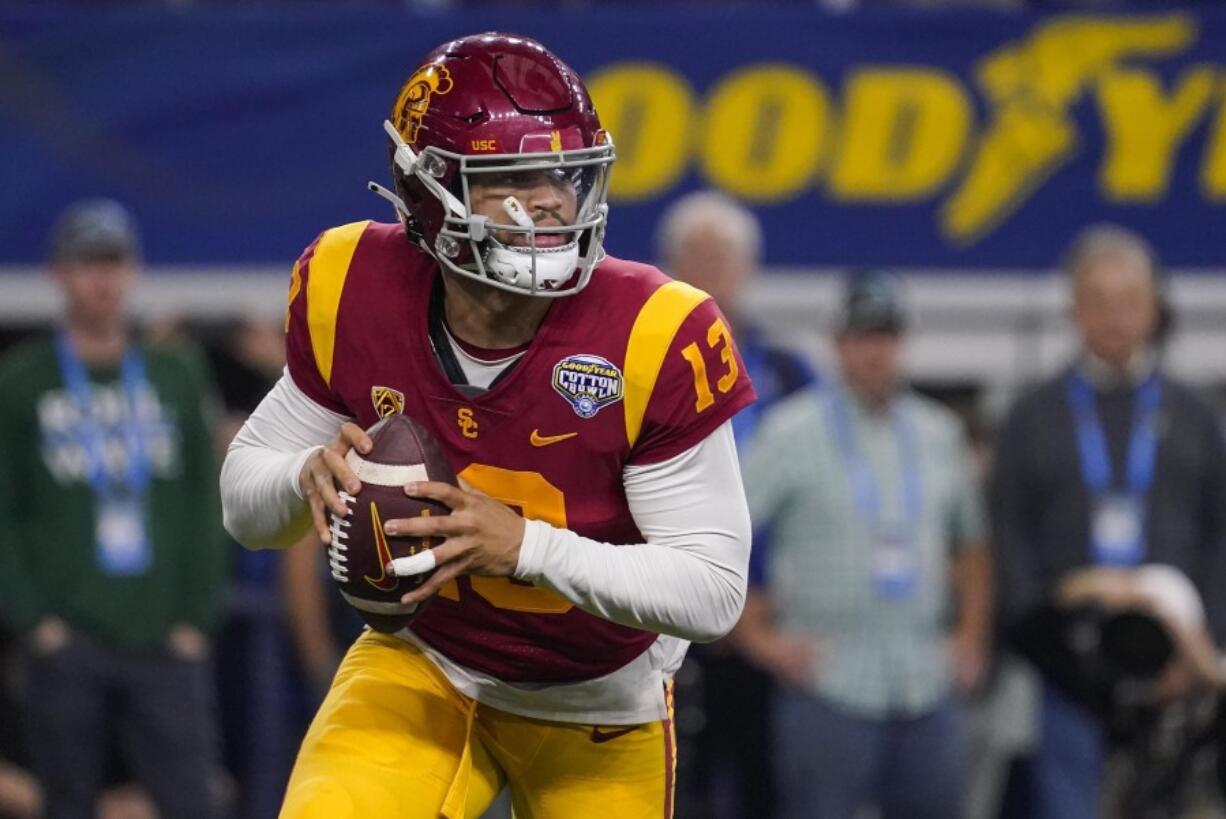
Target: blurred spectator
871, 490
713, 243
1102, 473
247, 362
321, 625
111, 561
260, 690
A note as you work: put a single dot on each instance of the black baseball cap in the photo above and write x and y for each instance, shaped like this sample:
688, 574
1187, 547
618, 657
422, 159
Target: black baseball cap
95, 230
872, 302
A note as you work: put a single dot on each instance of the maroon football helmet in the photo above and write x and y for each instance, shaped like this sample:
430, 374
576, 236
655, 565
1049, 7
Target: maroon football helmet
501, 113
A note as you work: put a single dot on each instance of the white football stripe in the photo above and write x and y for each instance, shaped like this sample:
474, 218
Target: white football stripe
384, 474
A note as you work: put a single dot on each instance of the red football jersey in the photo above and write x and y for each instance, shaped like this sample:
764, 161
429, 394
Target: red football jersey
634, 369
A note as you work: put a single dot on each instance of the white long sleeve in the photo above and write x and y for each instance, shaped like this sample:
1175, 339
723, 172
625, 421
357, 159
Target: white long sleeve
261, 504
689, 578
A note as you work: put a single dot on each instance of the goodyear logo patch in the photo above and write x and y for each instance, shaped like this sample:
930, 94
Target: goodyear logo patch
588, 383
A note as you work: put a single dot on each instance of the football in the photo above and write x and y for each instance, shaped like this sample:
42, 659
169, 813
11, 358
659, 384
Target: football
360, 552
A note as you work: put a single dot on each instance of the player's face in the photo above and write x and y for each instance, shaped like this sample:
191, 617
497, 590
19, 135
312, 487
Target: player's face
870, 362
1114, 305
549, 197
95, 292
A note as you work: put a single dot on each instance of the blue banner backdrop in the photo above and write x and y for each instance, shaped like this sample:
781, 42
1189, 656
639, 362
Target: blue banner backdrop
951, 140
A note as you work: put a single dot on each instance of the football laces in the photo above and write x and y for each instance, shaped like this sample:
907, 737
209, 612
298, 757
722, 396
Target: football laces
338, 558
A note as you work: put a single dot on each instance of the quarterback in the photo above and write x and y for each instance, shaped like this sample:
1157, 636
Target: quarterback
584, 402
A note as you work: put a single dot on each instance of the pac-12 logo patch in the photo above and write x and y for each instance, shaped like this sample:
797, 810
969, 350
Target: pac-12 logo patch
387, 401
588, 383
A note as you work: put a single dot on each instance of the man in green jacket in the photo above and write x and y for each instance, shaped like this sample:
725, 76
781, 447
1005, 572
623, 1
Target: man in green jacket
111, 554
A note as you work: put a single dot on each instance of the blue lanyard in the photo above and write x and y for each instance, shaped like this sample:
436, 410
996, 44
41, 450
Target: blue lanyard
1092, 443
863, 482
90, 434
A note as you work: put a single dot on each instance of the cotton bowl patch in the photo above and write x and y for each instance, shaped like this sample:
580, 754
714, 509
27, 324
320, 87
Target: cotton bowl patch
588, 383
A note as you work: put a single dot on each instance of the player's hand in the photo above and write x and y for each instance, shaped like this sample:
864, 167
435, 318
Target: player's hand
482, 536
326, 470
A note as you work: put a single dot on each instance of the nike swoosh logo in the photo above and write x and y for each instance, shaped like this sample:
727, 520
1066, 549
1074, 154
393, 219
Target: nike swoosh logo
599, 736
384, 582
545, 440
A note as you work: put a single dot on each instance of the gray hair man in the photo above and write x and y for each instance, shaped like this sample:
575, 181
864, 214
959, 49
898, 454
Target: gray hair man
1108, 496
715, 243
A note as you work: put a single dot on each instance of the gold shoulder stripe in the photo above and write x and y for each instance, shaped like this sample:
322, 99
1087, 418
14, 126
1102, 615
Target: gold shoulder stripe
295, 285
328, 269
652, 334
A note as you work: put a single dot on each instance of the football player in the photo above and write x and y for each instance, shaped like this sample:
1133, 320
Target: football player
585, 403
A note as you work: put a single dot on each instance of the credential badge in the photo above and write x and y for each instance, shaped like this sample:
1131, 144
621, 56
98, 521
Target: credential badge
588, 383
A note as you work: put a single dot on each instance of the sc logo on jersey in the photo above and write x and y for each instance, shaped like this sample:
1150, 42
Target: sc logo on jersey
468, 425
588, 383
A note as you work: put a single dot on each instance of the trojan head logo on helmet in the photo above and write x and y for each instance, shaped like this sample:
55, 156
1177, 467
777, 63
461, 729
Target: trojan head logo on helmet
414, 100
496, 118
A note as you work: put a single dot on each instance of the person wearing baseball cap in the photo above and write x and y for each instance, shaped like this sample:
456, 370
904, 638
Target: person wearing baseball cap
872, 302
878, 532
869, 334
95, 229
95, 258
112, 559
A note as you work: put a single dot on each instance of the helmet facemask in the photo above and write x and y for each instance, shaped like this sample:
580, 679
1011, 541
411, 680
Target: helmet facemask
508, 250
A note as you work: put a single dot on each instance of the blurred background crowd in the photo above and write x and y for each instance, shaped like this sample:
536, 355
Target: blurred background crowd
973, 257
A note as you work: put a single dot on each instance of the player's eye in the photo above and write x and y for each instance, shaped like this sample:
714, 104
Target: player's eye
505, 180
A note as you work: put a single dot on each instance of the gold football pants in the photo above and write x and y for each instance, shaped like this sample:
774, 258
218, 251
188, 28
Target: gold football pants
395, 740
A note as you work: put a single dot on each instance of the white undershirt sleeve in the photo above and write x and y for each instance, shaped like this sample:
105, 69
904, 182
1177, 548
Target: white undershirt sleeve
689, 578
261, 503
